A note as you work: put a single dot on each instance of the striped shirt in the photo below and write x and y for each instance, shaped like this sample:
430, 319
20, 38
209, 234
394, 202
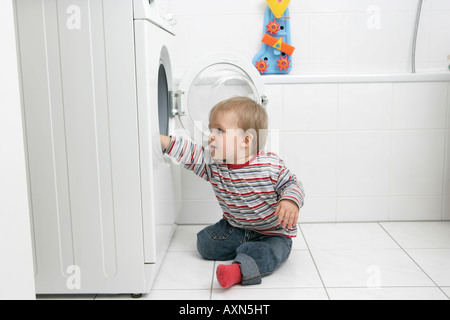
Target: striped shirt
249, 193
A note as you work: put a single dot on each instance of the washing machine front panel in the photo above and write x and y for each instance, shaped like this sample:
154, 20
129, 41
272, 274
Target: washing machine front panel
77, 65
156, 12
213, 79
159, 179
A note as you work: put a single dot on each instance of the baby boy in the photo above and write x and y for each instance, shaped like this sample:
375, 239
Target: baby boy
260, 198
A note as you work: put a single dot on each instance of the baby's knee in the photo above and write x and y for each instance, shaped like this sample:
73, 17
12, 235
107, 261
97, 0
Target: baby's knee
205, 245
213, 249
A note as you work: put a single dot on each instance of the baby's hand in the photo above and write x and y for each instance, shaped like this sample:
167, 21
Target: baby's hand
287, 212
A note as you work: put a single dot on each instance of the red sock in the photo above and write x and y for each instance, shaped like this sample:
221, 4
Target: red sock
228, 275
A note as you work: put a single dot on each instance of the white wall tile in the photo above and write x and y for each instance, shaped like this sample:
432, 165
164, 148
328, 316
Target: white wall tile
296, 7
439, 44
415, 208
446, 208
404, 5
417, 163
400, 37
420, 105
329, 38
275, 106
363, 164
199, 212
318, 209
399, 67
365, 5
246, 32
300, 40
328, 5
358, 169
275, 113
208, 35
369, 68
200, 7
312, 157
237, 7
369, 37
446, 201
447, 165
326, 68
365, 106
364, 152
362, 209
423, 47
310, 107
195, 188
440, 4
448, 108
274, 142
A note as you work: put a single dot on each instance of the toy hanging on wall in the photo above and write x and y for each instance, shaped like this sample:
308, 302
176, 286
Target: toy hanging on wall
275, 56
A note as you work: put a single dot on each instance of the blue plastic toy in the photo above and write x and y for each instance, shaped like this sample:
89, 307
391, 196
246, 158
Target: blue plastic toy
275, 56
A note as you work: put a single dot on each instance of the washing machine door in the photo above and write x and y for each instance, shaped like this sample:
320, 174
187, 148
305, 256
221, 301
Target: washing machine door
213, 79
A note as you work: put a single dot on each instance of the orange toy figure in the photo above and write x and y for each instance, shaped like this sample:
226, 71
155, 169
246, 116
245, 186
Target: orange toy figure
262, 66
283, 63
275, 55
273, 27
278, 44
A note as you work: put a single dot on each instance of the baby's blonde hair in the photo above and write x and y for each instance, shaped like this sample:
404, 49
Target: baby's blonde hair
252, 117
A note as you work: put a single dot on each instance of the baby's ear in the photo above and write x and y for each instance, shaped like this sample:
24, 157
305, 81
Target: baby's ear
248, 139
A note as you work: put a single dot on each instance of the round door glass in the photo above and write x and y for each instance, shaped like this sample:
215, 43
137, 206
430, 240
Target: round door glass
163, 101
213, 84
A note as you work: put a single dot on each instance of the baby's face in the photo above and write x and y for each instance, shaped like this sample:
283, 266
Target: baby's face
227, 140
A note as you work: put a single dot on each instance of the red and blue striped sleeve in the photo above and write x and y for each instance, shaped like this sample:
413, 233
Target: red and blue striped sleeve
191, 155
289, 187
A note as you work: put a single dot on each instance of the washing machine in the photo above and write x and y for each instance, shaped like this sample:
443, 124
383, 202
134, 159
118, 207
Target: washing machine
97, 91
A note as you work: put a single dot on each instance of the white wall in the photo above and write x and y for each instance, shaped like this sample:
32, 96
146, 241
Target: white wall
330, 36
16, 264
365, 152
368, 151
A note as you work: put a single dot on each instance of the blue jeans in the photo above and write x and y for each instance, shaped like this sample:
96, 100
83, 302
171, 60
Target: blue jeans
258, 255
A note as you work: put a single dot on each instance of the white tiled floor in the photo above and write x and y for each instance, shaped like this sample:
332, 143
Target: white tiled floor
387, 260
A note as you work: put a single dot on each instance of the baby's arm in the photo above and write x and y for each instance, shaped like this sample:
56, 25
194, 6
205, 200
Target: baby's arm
165, 141
287, 212
188, 153
291, 195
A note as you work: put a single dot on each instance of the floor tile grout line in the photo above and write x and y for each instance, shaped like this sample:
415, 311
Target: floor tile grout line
314, 261
212, 281
382, 287
447, 295
368, 221
416, 263
304, 287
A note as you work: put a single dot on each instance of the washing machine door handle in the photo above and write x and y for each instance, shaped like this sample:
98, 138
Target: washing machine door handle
264, 101
176, 103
